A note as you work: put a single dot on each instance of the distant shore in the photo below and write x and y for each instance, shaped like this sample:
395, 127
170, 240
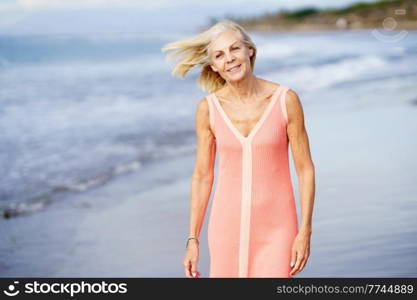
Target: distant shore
388, 15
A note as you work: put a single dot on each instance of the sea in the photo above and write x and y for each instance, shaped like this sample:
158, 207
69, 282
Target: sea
78, 112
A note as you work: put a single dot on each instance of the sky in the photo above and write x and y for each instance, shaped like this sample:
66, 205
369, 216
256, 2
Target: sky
132, 16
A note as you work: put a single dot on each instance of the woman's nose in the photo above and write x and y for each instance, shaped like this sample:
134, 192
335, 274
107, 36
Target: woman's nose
229, 57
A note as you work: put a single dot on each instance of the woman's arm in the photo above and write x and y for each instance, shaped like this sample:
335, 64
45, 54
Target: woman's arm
203, 174
304, 166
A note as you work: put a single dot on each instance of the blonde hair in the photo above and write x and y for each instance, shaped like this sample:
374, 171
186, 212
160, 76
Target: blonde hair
194, 51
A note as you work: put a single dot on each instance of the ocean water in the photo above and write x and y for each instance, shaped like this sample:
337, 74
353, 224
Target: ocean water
79, 111
97, 142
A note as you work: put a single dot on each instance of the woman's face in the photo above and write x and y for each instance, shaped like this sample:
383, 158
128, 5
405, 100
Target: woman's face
226, 52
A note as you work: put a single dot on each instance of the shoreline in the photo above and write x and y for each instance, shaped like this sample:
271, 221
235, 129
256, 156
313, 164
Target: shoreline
117, 230
388, 15
326, 30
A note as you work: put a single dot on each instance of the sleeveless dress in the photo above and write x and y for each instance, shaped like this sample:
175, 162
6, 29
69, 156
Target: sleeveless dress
253, 218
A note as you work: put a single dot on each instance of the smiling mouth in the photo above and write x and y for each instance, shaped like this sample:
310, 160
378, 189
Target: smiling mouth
234, 69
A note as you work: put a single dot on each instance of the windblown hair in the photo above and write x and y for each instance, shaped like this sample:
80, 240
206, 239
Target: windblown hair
194, 51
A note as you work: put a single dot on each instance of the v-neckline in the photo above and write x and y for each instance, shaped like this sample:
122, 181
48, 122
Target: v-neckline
258, 124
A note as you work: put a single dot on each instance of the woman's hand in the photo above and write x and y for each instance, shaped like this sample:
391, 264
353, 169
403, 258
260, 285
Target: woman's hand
191, 260
300, 251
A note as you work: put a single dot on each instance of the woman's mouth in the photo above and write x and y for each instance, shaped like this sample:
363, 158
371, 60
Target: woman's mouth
234, 69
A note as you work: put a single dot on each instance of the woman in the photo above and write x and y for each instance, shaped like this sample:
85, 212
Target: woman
253, 229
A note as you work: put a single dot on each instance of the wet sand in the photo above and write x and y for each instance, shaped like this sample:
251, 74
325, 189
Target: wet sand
364, 222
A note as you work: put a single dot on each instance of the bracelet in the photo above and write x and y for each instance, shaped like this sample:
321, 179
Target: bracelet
191, 238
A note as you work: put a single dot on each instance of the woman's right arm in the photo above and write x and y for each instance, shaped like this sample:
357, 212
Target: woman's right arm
202, 182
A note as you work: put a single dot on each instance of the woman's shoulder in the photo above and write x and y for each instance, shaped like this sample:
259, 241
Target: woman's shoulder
291, 97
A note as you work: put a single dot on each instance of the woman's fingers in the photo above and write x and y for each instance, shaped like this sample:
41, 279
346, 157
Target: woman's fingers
298, 262
187, 268
304, 261
293, 257
303, 264
190, 269
194, 268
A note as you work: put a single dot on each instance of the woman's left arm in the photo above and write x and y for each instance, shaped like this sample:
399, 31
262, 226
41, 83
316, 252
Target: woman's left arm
298, 138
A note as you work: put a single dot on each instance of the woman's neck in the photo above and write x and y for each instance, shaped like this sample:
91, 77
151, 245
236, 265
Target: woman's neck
243, 91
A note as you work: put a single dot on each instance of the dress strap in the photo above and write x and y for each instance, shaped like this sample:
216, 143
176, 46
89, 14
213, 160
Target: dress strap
211, 111
283, 105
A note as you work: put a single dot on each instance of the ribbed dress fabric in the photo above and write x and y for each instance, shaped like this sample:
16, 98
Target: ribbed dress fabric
253, 219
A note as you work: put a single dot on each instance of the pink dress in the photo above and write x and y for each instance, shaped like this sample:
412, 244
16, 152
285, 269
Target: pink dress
253, 218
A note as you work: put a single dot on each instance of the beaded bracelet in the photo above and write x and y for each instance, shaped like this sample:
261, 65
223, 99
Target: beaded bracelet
191, 238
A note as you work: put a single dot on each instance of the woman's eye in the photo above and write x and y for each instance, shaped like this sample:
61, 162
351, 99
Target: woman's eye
234, 48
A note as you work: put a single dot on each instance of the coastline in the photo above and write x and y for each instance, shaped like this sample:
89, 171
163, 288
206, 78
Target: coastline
118, 231
396, 15
325, 30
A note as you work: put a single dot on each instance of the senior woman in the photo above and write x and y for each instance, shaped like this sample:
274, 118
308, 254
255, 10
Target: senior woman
253, 227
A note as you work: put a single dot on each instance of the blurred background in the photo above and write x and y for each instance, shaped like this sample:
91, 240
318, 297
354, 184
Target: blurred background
97, 139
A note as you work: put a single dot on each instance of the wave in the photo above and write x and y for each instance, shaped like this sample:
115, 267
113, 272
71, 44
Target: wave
36, 49
153, 153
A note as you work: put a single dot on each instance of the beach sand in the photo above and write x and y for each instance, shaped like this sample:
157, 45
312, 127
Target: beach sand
364, 222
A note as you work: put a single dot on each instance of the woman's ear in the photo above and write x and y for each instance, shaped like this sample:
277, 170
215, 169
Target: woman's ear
251, 52
213, 68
